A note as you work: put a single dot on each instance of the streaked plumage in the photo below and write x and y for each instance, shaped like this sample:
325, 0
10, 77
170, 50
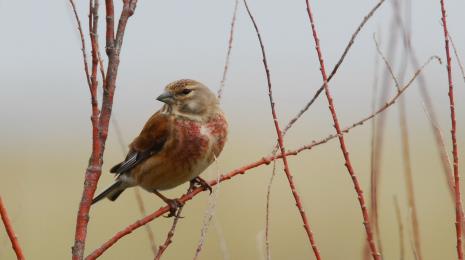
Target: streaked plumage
176, 144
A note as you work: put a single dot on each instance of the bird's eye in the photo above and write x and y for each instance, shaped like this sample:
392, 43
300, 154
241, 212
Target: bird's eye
186, 91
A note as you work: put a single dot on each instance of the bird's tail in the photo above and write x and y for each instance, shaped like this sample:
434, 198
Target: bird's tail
112, 192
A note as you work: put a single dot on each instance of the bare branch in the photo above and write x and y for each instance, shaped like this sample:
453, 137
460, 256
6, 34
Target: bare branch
228, 53
401, 229
458, 199
281, 142
336, 67
344, 150
83, 42
9, 230
170, 235
100, 121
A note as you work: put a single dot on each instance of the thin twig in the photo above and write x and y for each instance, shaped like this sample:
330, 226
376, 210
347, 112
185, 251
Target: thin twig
431, 115
242, 170
100, 126
170, 235
410, 236
409, 178
345, 152
93, 29
267, 210
429, 109
440, 137
83, 42
281, 141
222, 240
405, 152
336, 67
374, 183
299, 115
457, 56
458, 199
10, 231
386, 62
137, 195
209, 213
378, 143
401, 229
405, 136
228, 53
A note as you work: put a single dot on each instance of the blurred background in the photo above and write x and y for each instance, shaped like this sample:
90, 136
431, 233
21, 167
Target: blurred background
45, 135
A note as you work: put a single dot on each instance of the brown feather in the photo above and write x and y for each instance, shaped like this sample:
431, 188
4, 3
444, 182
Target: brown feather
155, 132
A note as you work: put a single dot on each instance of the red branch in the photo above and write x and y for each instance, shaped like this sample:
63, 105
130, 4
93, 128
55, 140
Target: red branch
281, 142
336, 67
345, 153
263, 161
169, 236
100, 121
458, 200
10, 231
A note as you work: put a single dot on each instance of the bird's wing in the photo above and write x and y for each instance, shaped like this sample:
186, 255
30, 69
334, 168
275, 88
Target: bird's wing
149, 142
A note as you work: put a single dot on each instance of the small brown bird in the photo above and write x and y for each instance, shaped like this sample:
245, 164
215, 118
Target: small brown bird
176, 144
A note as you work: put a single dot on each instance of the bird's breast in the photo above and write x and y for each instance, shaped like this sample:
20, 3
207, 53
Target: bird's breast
199, 143
192, 148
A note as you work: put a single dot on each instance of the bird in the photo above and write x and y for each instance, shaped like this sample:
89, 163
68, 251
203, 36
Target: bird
176, 144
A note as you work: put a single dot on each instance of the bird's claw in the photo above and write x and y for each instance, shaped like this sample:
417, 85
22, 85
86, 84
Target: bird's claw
202, 183
174, 205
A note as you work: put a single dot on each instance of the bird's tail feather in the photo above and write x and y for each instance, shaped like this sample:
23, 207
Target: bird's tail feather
112, 192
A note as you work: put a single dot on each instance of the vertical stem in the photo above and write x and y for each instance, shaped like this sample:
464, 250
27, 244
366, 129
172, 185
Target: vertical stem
344, 150
281, 143
458, 200
100, 122
228, 52
401, 230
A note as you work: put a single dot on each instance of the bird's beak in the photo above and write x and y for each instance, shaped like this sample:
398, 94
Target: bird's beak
166, 97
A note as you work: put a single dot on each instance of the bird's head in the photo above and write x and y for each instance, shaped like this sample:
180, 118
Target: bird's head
189, 98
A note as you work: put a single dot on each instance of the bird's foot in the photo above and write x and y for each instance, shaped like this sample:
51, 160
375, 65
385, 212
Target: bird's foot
174, 205
201, 183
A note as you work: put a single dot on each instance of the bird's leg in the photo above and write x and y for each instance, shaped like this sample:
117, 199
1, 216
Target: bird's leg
201, 182
174, 204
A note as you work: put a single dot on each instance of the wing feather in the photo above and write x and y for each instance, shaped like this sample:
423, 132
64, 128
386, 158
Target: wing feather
149, 142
